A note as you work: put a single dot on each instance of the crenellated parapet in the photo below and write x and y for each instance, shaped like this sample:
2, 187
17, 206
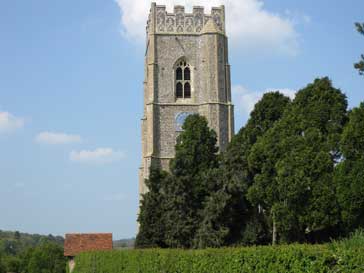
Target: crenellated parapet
160, 21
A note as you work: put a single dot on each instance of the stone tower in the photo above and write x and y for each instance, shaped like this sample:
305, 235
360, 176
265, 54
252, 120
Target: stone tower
186, 71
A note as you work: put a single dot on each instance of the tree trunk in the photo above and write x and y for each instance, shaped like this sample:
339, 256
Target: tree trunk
274, 232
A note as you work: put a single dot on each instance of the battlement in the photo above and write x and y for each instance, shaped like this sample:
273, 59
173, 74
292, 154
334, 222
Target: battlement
162, 22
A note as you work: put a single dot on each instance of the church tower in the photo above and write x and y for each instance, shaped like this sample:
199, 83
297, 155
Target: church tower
186, 71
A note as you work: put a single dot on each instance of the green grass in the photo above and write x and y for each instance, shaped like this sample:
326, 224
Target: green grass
340, 256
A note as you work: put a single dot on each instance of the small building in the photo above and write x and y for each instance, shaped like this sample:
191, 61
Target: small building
77, 243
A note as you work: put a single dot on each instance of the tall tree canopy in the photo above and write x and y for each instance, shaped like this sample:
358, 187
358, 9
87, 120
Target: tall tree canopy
151, 226
293, 163
171, 211
360, 65
295, 172
349, 175
196, 155
196, 149
2, 265
227, 213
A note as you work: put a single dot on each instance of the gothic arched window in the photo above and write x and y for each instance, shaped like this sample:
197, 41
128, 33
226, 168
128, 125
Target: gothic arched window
183, 80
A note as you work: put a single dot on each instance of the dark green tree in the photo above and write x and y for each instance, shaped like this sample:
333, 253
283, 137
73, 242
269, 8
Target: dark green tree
196, 149
349, 174
293, 164
228, 217
46, 258
2, 266
360, 65
151, 226
16, 235
12, 263
9, 247
196, 156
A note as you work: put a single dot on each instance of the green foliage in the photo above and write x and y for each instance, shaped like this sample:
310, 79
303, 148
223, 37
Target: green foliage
293, 163
12, 263
47, 258
25, 253
354, 241
195, 149
293, 173
14, 243
2, 265
346, 256
352, 139
349, 174
152, 229
349, 177
187, 190
171, 211
360, 65
17, 235
227, 212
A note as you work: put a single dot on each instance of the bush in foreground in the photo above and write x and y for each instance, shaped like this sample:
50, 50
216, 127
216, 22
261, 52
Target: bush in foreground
341, 256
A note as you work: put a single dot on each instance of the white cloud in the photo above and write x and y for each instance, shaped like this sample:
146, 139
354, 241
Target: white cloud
9, 122
249, 25
57, 138
98, 156
245, 99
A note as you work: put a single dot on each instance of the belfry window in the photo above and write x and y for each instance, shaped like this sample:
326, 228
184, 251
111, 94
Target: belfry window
179, 90
183, 80
187, 74
187, 90
179, 74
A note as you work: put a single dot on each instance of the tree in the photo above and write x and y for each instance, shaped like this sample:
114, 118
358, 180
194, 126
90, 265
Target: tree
16, 235
360, 65
196, 149
2, 266
185, 194
10, 247
349, 174
228, 216
12, 263
151, 229
293, 164
46, 258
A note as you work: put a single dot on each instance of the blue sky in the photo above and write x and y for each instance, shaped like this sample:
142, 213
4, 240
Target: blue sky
71, 77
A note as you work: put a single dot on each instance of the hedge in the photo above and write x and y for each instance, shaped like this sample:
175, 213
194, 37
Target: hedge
259, 259
335, 257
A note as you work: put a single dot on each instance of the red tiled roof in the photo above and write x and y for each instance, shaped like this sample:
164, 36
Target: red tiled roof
77, 243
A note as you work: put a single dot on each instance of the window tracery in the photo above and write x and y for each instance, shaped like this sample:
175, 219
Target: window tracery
183, 80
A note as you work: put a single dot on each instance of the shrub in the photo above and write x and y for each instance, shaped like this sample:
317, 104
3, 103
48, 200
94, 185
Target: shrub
339, 256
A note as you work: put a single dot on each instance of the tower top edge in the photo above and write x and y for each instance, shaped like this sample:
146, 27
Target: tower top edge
182, 9
181, 22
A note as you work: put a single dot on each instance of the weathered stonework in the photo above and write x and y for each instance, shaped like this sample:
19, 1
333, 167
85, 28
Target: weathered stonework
198, 39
